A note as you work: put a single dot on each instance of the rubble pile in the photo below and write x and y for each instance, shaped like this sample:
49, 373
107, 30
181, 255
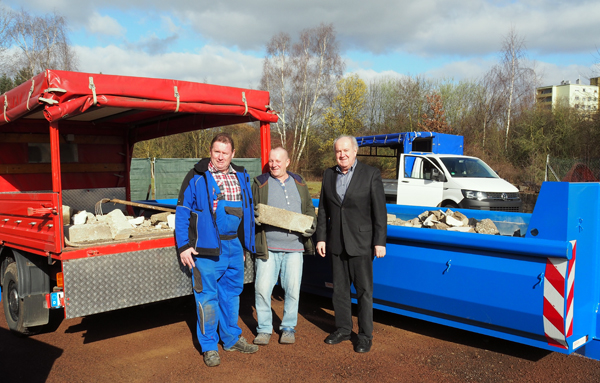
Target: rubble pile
448, 220
85, 227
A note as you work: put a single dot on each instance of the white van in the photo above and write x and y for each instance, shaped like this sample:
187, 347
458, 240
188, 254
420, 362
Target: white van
454, 181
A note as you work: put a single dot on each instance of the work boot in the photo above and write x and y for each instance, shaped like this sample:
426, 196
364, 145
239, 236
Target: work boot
212, 358
242, 346
287, 337
262, 338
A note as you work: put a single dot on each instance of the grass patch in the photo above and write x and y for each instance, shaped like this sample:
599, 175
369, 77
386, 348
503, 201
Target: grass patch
314, 188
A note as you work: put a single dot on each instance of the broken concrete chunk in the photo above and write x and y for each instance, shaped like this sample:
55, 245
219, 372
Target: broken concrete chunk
461, 217
88, 233
486, 226
119, 226
430, 221
80, 218
91, 218
415, 222
423, 216
451, 221
171, 221
159, 217
136, 221
440, 226
284, 219
391, 218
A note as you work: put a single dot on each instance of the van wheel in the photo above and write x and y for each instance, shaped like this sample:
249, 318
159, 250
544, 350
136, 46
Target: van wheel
13, 307
450, 205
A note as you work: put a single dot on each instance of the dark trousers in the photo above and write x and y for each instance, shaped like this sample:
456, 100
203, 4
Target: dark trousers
349, 270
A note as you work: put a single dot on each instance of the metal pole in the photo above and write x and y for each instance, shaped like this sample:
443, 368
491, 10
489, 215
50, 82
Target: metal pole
265, 145
546, 170
56, 174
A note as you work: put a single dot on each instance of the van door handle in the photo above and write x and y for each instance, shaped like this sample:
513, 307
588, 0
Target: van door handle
404, 182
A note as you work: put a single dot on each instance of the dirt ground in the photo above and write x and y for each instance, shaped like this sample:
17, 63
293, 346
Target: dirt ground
155, 343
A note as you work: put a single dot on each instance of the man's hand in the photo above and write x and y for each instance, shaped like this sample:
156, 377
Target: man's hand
186, 257
379, 251
310, 231
256, 221
321, 248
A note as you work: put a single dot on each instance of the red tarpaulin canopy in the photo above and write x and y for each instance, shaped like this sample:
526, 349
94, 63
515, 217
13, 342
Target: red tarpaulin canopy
105, 115
136, 102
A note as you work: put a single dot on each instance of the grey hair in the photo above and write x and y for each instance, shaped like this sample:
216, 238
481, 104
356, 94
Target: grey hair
352, 139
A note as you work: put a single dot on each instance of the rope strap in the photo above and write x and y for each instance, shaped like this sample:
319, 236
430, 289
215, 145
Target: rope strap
30, 92
93, 88
245, 103
5, 107
177, 97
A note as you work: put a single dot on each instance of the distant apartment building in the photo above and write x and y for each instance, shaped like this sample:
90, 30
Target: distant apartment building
578, 96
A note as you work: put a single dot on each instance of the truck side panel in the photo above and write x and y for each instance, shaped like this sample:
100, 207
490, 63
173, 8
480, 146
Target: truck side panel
31, 221
108, 282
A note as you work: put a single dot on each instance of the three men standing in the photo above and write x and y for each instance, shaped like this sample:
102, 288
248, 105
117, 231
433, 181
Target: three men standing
214, 217
279, 252
352, 228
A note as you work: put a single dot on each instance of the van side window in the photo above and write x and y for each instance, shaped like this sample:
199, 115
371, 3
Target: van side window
418, 168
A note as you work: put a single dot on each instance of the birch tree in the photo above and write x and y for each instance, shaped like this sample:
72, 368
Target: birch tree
517, 79
42, 43
300, 76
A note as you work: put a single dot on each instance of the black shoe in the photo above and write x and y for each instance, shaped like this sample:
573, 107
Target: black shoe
336, 337
363, 345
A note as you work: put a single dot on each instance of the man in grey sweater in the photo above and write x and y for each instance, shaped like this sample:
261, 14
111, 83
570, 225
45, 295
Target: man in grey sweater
279, 252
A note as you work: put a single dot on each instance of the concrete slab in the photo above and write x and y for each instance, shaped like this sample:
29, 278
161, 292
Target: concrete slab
284, 219
119, 226
88, 233
160, 217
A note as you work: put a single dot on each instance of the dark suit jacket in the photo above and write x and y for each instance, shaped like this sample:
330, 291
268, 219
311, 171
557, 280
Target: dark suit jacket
359, 222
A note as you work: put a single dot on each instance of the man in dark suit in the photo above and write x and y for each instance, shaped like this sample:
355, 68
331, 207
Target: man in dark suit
352, 228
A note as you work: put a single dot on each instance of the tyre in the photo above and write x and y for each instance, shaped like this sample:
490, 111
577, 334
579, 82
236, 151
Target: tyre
13, 307
450, 205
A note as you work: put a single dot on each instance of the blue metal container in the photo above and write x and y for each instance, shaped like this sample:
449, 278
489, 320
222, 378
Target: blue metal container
539, 289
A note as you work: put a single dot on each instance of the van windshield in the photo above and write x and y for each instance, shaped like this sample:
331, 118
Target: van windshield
468, 167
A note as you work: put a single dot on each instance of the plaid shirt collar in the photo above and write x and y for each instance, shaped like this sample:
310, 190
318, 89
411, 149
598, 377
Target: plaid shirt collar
213, 169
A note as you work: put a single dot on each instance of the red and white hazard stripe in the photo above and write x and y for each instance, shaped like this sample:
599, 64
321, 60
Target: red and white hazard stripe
559, 282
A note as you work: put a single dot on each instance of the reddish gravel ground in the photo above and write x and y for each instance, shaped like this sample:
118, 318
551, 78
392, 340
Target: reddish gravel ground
154, 343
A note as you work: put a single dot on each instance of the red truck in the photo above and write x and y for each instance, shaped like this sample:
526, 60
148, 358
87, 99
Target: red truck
66, 138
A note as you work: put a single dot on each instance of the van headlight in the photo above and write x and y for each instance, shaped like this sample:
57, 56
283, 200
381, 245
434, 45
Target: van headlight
473, 194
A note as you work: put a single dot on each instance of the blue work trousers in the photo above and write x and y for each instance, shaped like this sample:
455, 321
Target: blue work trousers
218, 304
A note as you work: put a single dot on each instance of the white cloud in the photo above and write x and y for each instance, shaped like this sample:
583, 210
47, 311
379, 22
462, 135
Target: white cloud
369, 75
425, 27
104, 25
455, 33
213, 65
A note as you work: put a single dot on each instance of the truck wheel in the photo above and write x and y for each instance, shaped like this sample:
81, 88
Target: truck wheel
450, 205
13, 307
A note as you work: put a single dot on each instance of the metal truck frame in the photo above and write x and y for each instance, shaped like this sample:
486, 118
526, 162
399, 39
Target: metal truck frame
67, 138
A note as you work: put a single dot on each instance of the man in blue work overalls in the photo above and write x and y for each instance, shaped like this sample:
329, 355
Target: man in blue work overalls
214, 218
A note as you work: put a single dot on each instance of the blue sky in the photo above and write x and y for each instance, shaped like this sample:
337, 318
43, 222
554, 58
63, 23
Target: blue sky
223, 42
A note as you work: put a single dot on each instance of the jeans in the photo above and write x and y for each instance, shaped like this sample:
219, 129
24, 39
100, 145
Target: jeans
267, 271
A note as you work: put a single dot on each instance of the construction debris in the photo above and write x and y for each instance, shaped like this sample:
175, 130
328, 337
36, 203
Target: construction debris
448, 220
88, 228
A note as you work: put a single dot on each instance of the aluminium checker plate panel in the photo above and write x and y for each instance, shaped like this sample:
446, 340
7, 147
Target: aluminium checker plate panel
114, 281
